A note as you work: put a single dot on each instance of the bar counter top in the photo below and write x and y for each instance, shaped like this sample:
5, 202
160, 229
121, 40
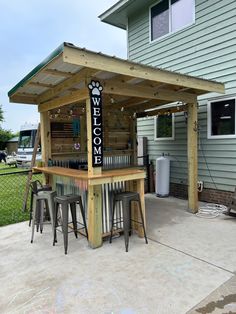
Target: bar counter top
107, 176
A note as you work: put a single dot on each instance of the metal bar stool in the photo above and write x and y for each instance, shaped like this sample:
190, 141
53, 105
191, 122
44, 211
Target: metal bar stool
66, 202
126, 198
36, 186
38, 211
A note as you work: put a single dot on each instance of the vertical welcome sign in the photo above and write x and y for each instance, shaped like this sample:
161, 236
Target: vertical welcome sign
95, 90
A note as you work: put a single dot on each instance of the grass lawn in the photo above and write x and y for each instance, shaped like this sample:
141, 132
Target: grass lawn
12, 189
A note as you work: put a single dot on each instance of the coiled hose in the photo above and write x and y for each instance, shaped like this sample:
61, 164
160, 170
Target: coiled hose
211, 210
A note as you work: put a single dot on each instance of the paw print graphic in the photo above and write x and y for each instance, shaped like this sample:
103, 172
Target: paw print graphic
95, 88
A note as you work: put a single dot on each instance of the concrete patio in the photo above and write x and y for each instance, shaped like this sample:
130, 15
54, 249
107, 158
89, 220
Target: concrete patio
188, 267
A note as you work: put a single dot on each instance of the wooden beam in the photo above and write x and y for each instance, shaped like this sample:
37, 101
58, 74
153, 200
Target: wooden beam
24, 98
66, 84
118, 88
149, 105
73, 97
45, 137
192, 158
82, 57
162, 111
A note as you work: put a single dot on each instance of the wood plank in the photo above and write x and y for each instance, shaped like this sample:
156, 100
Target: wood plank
73, 97
192, 128
81, 57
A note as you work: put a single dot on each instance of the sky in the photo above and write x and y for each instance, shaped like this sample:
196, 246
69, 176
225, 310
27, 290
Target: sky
31, 29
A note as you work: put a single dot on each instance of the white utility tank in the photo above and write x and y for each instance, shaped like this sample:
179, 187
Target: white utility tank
162, 176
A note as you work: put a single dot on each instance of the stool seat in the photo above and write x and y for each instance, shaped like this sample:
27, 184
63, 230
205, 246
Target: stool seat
126, 195
69, 198
126, 198
67, 202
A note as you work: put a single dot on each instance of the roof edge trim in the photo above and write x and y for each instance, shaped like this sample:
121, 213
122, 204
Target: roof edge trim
47, 60
104, 17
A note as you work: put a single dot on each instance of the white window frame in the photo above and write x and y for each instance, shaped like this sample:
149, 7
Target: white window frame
209, 122
170, 28
164, 138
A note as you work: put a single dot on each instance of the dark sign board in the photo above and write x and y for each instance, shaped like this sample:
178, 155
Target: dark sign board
61, 130
95, 90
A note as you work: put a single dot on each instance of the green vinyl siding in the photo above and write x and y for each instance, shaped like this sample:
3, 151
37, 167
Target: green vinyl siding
206, 49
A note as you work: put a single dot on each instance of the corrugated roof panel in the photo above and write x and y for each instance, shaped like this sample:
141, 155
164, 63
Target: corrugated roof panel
59, 65
32, 89
48, 78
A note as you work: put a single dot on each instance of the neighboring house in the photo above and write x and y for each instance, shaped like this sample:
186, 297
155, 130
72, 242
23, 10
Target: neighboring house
195, 37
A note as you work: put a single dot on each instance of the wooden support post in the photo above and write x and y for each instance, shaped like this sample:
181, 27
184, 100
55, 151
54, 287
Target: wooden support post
45, 137
192, 158
94, 192
95, 216
46, 143
133, 133
83, 143
32, 164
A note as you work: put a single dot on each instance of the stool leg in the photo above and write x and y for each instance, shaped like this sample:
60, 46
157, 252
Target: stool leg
47, 211
37, 217
65, 225
55, 223
31, 207
41, 213
33, 218
141, 215
83, 217
126, 219
74, 219
51, 210
112, 219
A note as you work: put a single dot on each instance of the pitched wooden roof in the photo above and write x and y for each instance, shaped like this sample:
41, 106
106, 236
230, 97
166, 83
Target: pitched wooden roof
62, 79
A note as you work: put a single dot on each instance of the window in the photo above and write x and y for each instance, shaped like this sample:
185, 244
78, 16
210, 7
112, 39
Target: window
221, 118
168, 16
164, 127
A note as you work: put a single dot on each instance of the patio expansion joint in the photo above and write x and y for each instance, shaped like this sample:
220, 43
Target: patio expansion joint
195, 257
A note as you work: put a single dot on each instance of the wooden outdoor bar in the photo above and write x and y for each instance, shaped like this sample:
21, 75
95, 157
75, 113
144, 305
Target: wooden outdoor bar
89, 104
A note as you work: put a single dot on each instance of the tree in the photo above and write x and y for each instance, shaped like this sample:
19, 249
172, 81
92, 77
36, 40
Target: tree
1, 114
5, 135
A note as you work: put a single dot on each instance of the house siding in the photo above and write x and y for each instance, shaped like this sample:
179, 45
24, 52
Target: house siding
205, 49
